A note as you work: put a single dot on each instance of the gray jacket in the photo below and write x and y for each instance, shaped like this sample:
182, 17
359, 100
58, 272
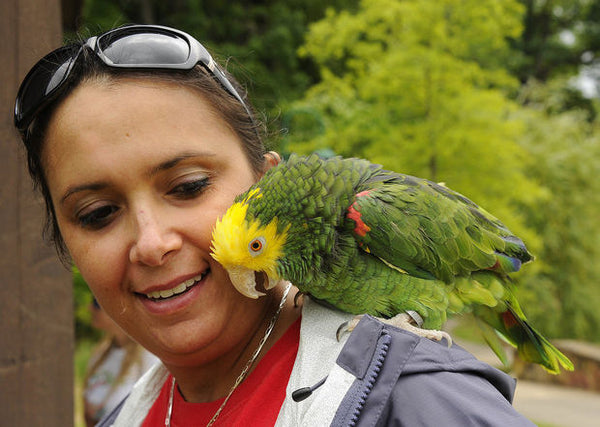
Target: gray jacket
376, 376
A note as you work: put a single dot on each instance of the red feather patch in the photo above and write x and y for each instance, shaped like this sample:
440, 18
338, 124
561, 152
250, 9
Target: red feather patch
354, 214
509, 319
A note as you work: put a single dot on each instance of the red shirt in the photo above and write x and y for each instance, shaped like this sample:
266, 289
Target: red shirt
258, 398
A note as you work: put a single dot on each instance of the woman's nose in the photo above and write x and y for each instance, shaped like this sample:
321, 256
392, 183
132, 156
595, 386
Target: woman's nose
155, 240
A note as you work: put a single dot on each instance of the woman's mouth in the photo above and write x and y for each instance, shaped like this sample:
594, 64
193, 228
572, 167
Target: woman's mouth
177, 290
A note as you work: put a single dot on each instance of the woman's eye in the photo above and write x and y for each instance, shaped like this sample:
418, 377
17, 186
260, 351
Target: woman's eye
97, 218
189, 189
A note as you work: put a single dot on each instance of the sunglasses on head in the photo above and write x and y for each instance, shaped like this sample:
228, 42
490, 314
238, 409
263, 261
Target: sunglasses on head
134, 46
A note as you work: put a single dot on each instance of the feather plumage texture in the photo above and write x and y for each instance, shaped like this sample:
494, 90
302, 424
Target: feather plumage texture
367, 240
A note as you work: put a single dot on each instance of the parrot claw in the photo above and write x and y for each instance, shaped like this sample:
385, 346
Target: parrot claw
347, 326
408, 320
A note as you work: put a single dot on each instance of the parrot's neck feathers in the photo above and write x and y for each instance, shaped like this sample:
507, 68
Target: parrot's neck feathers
253, 193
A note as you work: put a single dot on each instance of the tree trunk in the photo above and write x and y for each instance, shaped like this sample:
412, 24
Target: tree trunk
36, 330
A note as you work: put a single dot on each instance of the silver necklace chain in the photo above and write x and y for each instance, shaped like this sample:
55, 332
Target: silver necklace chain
244, 372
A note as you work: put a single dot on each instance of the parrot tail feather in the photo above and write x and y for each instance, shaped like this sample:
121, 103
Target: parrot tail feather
531, 345
493, 340
506, 264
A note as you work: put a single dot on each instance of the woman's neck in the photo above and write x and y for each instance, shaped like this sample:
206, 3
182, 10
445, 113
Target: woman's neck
212, 381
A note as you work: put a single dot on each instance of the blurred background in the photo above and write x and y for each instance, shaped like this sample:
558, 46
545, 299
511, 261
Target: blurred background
498, 99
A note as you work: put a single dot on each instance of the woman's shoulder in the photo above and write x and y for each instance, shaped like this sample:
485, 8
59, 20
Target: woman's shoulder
422, 382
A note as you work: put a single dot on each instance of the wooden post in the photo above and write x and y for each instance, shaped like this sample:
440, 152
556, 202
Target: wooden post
36, 308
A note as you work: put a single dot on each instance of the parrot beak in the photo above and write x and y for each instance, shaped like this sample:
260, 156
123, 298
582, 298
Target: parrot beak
271, 282
244, 281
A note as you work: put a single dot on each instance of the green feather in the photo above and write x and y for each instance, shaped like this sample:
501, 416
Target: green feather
493, 340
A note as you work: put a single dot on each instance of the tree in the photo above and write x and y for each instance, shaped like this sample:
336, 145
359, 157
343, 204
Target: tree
410, 84
258, 40
421, 87
559, 45
564, 292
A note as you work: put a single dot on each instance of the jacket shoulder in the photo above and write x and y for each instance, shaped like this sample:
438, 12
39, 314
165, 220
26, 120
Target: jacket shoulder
421, 382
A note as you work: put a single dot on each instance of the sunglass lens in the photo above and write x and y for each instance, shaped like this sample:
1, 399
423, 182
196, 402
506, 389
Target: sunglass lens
144, 49
44, 78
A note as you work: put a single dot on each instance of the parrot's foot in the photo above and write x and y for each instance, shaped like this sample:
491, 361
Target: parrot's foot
409, 321
348, 326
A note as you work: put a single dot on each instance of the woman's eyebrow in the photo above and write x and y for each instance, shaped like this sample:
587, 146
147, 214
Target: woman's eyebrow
172, 162
95, 186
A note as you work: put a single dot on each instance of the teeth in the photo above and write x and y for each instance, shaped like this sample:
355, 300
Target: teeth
182, 287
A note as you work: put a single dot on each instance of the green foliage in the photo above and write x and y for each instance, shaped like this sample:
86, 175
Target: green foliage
557, 34
257, 40
82, 299
567, 153
83, 352
408, 84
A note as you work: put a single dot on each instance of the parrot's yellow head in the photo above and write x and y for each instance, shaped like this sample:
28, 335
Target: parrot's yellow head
243, 246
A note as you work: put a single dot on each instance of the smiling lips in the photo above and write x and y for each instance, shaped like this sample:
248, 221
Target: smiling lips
179, 289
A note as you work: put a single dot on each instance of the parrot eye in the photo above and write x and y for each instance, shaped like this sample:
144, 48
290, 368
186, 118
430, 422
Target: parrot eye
256, 246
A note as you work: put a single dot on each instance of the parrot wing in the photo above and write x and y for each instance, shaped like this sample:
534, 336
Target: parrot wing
430, 231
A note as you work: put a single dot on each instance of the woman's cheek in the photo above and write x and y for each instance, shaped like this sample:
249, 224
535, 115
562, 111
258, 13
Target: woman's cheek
101, 263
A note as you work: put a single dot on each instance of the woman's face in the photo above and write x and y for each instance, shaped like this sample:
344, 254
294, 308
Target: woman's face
138, 172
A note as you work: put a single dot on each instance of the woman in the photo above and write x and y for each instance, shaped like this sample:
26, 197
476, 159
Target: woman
139, 142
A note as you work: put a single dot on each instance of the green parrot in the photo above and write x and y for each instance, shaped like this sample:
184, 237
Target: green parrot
370, 241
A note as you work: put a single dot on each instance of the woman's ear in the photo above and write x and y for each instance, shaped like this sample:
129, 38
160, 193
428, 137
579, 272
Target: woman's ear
272, 159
